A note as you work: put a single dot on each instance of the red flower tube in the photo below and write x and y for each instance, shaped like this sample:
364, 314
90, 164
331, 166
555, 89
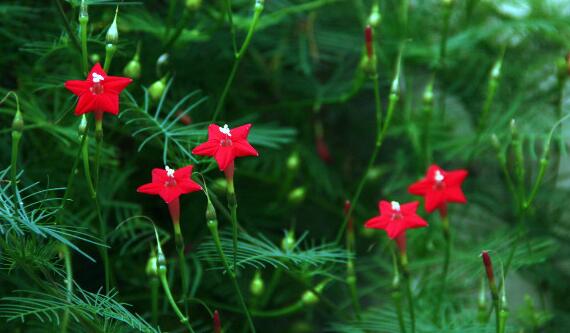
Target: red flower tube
98, 93
369, 41
440, 187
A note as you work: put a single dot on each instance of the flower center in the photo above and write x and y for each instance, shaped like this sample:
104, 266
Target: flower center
439, 177
170, 173
226, 142
396, 214
97, 87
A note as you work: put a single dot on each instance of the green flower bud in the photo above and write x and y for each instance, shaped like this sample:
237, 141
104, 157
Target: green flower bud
375, 17
113, 32
562, 68
257, 286
219, 185
82, 125
428, 95
157, 89
133, 68
297, 195
193, 4
373, 174
210, 212
495, 141
152, 266
288, 242
83, 13
18, 122
309, 298
447, 2
293, 162
259, 5
94, 58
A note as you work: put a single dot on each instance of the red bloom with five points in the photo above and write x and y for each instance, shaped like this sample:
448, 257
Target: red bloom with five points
170, 184
439, 187
98, 93
395, 219
225, 144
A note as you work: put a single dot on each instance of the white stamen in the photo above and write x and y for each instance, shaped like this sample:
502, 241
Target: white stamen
97, 78
438, 176
395, 205
226, 130
169, 171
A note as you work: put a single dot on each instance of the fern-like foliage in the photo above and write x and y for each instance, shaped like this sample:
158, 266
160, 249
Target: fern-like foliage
32, 210
259, 252
84, 307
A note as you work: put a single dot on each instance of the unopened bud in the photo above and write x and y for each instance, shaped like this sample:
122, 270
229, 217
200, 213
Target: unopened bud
210, 211
488, 267
82, 125
368, 39
495, 141
259, 5
220, 185
113, 32
157, 89
257, 286
447, 2
428, 94
193, 4
217, 322
288, 242
152, 266
133, 68
311, 298
562, 67
297, 195
94, 58
496, 71
293, 161
375, 18
162, 60
83, 13
18, 122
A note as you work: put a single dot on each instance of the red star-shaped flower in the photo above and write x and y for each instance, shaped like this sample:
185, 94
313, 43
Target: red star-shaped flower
98, 93
395, 219
439, 187
225, 144
170, 184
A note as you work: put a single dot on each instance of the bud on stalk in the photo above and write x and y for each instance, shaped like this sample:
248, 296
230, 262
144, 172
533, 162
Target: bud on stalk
257, 286
217, 322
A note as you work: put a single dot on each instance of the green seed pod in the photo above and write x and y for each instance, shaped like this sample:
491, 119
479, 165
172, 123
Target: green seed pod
157, 89
133, 68
257, 286
293, 162
297, 195
309, 298
152, 266
193, 4
82, 125
210, 212
288, 242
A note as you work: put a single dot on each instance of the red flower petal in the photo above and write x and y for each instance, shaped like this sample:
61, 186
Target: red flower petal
378, 222
150, 188
85, 104
434, 200
455, 177
240, 132
385, 207
243, 148
159, 176
410, 207
183, 173
96, 69
77, 87
214, 133
455, 194
209, 148
115, 84
420, 188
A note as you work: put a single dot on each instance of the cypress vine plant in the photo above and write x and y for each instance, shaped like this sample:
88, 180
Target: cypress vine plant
293, 121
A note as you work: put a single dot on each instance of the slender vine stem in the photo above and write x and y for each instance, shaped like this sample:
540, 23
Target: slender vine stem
67, 25
213, 226
68, 284
238, 57
447, 238
404, 264
83, 20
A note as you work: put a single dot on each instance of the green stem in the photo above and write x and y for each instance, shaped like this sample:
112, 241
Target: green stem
404, 265
16, 137
67, 25
447, 238
68, 284
397, 298
238, 57
213, 226
168, 293
110, 50
83, 32
351, 281
154, 283
184, 275
102, 224
272, 285
443, 50
232, 204
71, 178
228, 4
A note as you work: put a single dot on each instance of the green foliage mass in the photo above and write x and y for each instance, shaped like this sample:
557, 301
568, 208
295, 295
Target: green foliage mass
475, 84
